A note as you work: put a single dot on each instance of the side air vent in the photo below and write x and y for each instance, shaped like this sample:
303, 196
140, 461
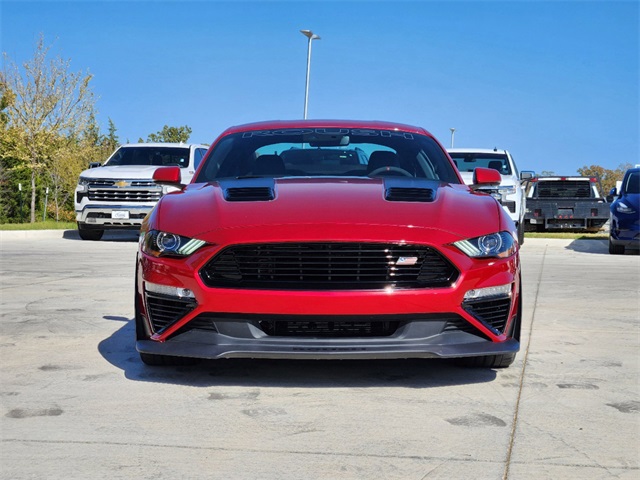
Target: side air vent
399, 194
249, 194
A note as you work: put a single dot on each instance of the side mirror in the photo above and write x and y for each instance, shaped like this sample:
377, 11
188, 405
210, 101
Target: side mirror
169, 176
527, 175
95, 165
485, 177
612, 194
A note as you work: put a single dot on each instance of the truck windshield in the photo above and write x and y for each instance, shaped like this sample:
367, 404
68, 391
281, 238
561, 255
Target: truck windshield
156, 156
467, 162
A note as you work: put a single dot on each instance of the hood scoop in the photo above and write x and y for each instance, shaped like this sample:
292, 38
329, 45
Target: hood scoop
248, 190
409, 190
249, 194
396, 194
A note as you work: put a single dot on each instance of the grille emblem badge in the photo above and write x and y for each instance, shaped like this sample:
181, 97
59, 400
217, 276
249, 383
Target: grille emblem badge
407, 261
122, 184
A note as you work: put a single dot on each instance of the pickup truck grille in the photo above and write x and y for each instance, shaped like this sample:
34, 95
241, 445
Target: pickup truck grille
124, 195
328, 266
126, 190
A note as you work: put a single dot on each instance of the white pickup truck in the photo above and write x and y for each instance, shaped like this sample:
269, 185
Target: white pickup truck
120, 193
509, 193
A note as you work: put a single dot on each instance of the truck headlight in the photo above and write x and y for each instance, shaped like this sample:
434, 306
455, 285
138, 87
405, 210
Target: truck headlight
83, 184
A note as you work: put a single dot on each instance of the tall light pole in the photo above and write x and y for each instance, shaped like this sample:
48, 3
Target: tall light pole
311, 36
452, 131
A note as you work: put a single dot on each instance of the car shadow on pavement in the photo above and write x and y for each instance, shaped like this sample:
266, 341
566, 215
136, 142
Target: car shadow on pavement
595, 246
119, 350
109, 236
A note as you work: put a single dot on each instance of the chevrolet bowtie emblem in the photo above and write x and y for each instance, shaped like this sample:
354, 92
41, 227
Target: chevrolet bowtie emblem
407, 261
121, 184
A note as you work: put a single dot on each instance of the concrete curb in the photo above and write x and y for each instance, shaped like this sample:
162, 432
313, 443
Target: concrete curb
12, 235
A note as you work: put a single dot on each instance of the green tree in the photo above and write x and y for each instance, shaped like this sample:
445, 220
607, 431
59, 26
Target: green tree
45, 102
171, 134
608, 177
111, 141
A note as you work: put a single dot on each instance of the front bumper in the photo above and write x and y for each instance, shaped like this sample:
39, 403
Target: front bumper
405, 344
105, 216
235, 323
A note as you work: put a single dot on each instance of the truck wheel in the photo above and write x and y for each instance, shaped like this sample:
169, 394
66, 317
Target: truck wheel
615, 249
520, 233
89, 234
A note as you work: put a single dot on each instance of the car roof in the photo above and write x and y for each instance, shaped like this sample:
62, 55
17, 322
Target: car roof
475, 150
365, 124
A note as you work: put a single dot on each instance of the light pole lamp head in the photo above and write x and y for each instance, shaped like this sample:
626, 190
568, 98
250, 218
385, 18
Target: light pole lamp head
310, 35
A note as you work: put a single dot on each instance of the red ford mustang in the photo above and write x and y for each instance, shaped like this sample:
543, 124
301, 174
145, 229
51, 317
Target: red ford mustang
327, 239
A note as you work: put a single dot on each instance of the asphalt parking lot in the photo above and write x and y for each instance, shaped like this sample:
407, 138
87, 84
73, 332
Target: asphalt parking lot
76, 401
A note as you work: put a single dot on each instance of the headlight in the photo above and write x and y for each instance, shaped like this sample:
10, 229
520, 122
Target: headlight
83, 184
507, 190
501, 244
624, 208
161, 244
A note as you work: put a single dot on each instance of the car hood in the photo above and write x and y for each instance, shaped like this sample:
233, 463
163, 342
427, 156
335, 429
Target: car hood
120, 171
264, 209
507, 180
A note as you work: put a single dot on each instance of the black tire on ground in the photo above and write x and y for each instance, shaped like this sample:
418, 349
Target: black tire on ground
89, 234
615, 249
521, 233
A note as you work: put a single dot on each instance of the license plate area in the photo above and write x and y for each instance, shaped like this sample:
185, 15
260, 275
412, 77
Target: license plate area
120, 214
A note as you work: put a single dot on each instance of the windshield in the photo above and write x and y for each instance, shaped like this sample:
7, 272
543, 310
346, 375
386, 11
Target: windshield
326, 152
157, 156
633, 183
467, 162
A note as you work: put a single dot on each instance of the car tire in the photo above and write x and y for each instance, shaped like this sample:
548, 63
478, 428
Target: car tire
615, 249
520, 233
89, 234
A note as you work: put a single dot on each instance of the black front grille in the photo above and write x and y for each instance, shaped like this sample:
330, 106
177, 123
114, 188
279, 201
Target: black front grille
164, 310
494, 313
328, 266
511, 206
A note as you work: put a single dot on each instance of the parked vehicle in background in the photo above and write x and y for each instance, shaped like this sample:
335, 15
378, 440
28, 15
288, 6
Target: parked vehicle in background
509, 193
328, 239
624, 224
565, 203
119, 194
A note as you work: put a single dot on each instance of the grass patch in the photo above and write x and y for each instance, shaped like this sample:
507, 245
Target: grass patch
569, 235
46, 225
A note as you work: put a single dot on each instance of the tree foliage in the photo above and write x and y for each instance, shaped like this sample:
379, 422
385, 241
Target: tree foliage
44, 104
608, 178
171, 134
